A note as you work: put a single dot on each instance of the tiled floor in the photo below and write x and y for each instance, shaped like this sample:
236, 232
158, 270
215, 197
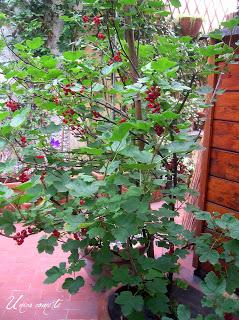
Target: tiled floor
23, 296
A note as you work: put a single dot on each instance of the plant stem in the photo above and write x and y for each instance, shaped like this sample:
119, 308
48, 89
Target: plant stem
129, 37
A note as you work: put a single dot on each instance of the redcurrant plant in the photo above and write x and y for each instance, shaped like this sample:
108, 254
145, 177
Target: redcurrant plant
124, 95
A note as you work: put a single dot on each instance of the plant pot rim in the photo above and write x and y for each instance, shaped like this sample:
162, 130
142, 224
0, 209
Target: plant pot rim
190, 17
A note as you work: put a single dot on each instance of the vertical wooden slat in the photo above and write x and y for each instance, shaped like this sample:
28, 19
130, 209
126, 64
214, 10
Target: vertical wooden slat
204, 168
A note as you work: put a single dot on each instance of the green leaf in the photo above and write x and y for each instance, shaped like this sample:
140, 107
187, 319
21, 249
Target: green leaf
182, 146
129, 303
177, 86
183, 312
138, 166
232, 279
73, 55
209, 255
120, 132
7, 220
212, 285
162, 64
88, 150
204, 90
48, 61
47, 245
51, 128
35, 43
96, 232
5, 192
96, 87
232, 23
71, 245
4, 115
127, 2
24, 186
110, 69
79, 188
55, 273
158, 304
2, 16
216, 34
73, 285
19, 118
73, 222
175, 3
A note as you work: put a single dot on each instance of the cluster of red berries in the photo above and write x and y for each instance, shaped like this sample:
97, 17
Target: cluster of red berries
176, 129
116, 58
96, 20
24, 176
171, 250
181, 168
158, 129
56, 234
152, 95
70, 121
12, 105
82, 232
42, 177
23, 141
69, 117
76, 236
96, 114
67, 89
56, 98
40, 157
20, 236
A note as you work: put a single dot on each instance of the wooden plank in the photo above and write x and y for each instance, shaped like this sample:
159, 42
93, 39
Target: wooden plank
224, 193
226, 135
225, 164
230, 79
227, 107
212, 207
204, 166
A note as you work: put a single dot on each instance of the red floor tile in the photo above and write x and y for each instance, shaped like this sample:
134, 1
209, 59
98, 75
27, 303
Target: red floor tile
22, 271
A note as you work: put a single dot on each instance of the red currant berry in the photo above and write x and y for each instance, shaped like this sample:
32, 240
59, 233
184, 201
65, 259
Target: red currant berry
122, 120
76, 237
96, 114
101, 36
85, 19
23, 140
158, 129
82, 202
56, 233
97, 20
20, 242
29, 229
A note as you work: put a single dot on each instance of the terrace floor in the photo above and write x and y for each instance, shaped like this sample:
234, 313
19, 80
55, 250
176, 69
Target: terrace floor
23, 296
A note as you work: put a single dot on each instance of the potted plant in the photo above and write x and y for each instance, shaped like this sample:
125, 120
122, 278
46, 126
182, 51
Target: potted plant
190, 26
124, 97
